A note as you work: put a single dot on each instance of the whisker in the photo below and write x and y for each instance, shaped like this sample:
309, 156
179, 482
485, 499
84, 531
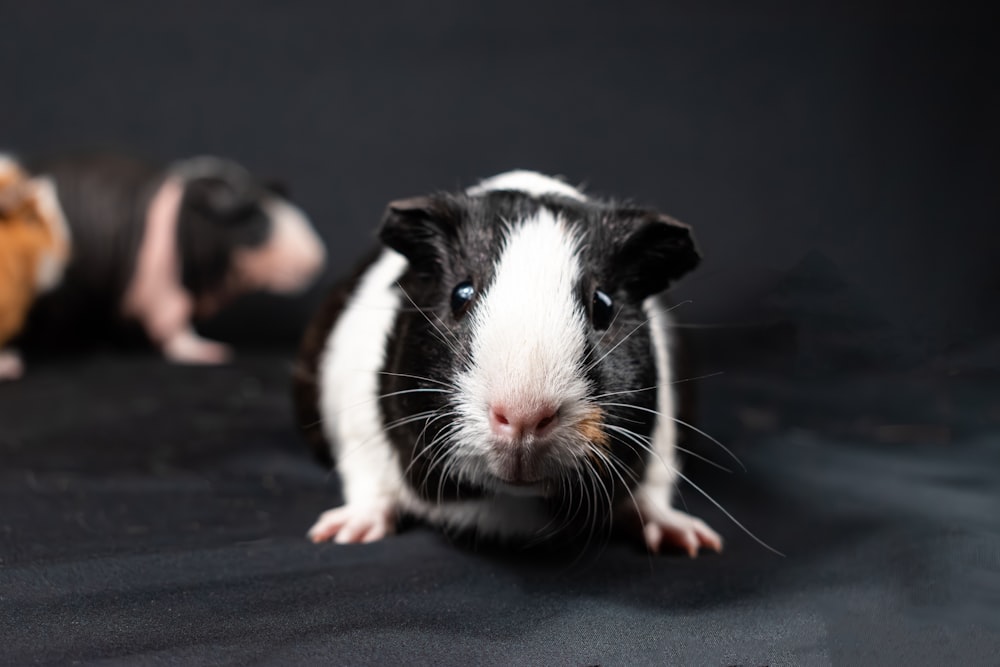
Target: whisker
452, 345
612, 460
377, 398
697, 377
720, 507
429, 447
625, 391
656, 386
648, 447
604, 335
728, 515
656, 313
616, 346
682, 423
633, 437
419, 377
403, 421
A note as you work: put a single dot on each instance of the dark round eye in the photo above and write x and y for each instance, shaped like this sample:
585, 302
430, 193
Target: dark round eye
461, 296
601, 310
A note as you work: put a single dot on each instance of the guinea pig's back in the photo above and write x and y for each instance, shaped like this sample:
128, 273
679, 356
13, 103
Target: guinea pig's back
104, 197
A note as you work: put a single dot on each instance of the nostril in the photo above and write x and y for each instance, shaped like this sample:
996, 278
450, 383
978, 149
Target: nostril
500, 417
546, 423
501, 424
515, 424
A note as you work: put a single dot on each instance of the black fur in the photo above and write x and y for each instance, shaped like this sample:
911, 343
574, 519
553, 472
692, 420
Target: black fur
219, 213
104, 198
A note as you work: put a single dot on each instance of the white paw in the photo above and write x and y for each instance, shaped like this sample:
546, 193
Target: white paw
352, 524
189, 348
672, 528
11, 366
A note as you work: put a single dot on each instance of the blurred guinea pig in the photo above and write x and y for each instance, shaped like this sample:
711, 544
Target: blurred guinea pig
160, 246
34, 249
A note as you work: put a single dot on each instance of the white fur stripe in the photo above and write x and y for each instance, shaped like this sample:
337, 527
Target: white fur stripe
528, 182
53, 264
660, 475
349, 385
528, 328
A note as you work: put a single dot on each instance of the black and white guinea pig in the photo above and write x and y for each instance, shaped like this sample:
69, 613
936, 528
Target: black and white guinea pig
161, 245
503, 366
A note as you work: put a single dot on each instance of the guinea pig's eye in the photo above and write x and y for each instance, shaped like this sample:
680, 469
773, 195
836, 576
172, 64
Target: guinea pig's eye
461, 296
601, 310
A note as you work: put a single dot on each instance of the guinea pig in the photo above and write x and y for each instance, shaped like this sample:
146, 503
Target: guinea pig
34, 249
502, 366
160, 246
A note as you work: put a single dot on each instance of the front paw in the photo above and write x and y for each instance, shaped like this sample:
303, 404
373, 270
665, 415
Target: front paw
11, 366
189, 348
353, 524
663, 527
673, 528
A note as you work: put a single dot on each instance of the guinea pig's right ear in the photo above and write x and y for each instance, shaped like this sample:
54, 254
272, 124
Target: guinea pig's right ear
421, 229
656, 251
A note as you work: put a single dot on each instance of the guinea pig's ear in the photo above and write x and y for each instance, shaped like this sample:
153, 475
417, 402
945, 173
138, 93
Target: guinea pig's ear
656, 252
220, 198
278, 187
421, 229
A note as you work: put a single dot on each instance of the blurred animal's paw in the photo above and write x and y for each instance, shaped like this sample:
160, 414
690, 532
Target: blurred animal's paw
189, 348
11, 366
352, 524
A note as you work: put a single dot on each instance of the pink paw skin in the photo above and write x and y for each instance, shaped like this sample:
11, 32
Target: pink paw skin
677, 529
665, 528
189, 348
354, 524
11, 366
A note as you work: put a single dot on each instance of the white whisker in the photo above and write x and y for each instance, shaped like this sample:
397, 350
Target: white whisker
449, 385
682, 423
647, 446
728, 515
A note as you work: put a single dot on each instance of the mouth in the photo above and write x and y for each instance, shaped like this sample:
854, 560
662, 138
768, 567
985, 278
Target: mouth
517, 467
523, 490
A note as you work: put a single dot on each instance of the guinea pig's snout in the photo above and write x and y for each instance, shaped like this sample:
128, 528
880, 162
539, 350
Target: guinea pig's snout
518, 423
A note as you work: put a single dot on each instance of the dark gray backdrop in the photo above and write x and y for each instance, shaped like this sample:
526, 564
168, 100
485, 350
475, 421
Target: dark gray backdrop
837, 161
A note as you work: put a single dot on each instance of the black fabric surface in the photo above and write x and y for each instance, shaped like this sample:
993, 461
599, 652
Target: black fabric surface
157, 514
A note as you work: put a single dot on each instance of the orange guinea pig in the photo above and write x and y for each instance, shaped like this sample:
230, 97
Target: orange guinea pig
34, 251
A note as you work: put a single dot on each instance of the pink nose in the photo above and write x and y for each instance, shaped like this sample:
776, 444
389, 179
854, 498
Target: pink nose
515, 424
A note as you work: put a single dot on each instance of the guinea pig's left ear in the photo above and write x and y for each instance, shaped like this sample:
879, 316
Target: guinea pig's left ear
278, 187
657, 252
421, 229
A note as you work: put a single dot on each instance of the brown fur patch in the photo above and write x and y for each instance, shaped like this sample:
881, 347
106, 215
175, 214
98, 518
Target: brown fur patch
591, 427
25, 238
